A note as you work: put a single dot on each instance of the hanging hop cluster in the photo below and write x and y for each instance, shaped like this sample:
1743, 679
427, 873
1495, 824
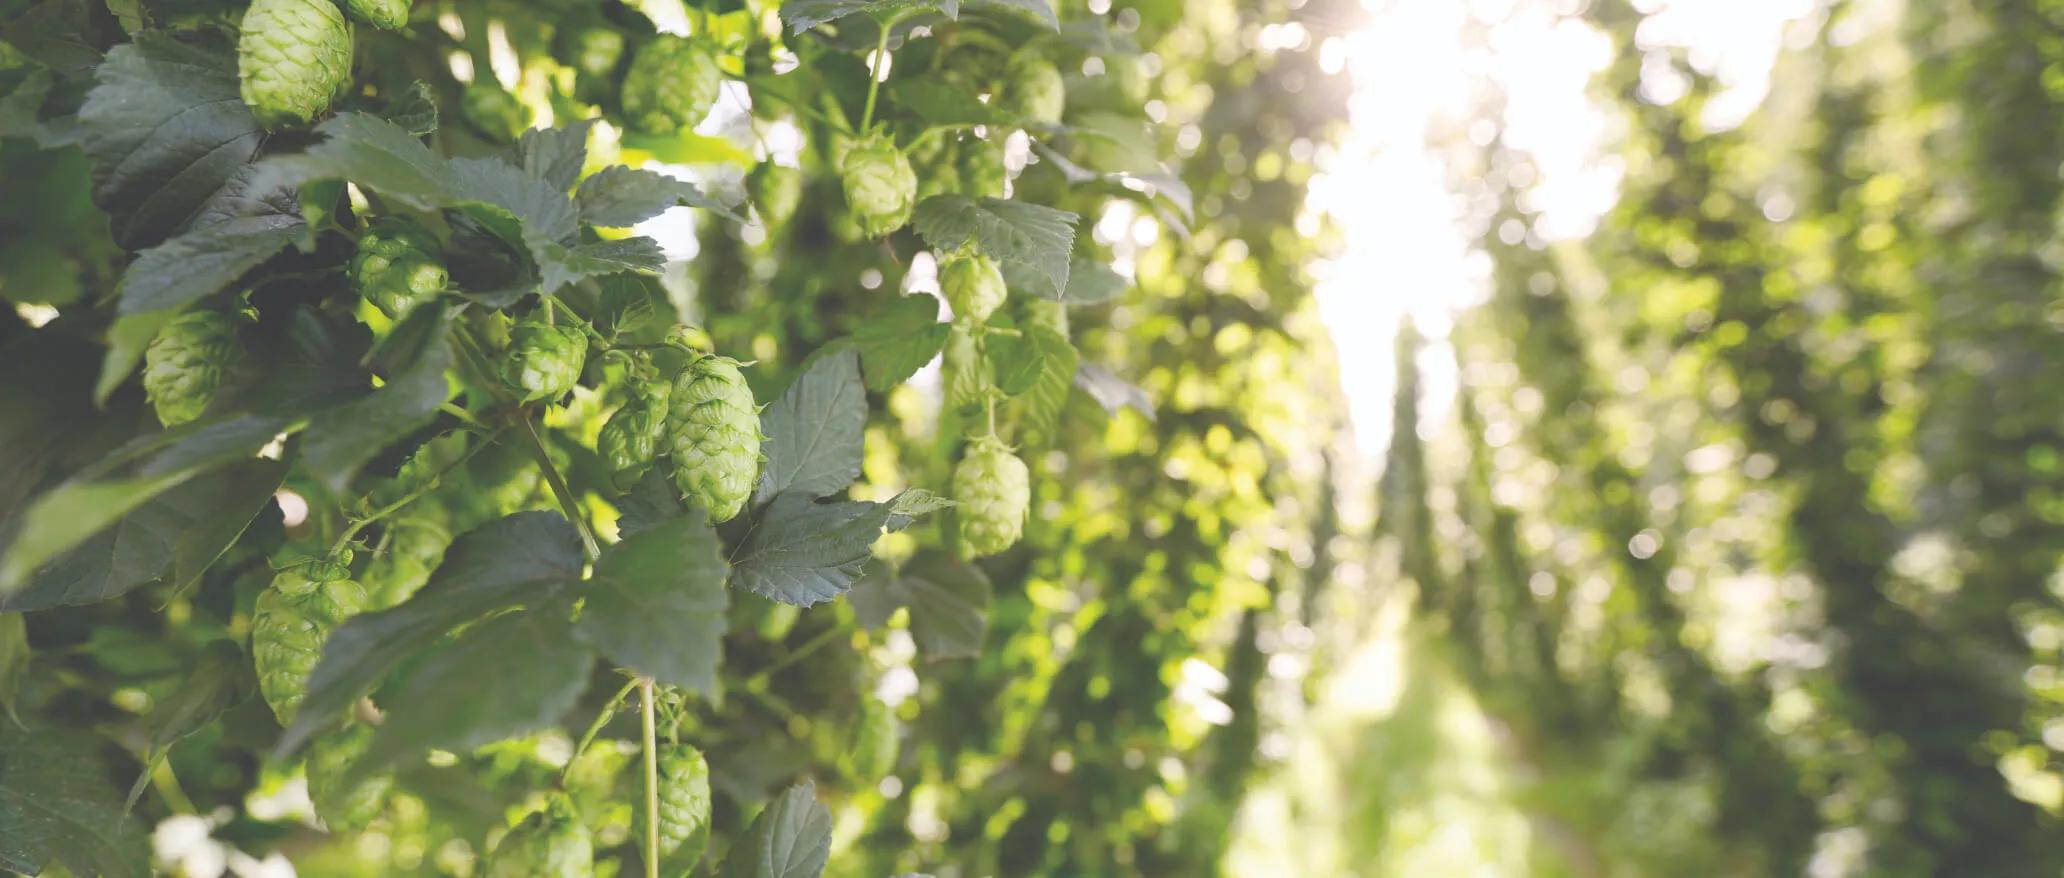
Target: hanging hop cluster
713, 432
294, 615
183, 364
629, 440
994, 490
397, 267
881, 188
1033, 89
672, 83
552, 843
684, 808
973, 284
294, 58
544, 361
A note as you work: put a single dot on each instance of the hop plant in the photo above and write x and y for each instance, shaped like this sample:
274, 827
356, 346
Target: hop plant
383, 14
967, 372
630, 439
982, 170
713, 432
672, 83
684, 809
494, 112
1033, 89
881, 188
875, 745
345, 807
293, 57
544, 361
397, 267
182, 365
973, 285
552, 843
994, 491
294, 615
776, 191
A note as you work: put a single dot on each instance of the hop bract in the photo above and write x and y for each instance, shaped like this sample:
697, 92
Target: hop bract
974, 286
881, 188
1033, 89
684, 808
672, 83
713, 432
383, 14
994, 490
293, 57
397, 267
293, 617
630, 439
552, 843
544, 361
183, 364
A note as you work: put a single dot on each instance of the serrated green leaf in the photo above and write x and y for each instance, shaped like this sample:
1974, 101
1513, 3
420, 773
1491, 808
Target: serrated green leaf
1111, 391
165, 128
202, 262
66, 36
555, 155
507, 676
618, 196
1016, 361
14, 661
656, 604
1043, 401
790, 839
1033, 239
1091, 283
802, 15
56, 807
801, 552
215, 684
939, 102
1039, 10
947, 598
522, 559
899, 340
1144, 181
814, 431
414, 110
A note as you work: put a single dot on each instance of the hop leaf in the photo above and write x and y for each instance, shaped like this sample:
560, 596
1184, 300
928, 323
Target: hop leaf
968, 376
629, 441
713, 432
994, 490
974, 286
672, 84
183, 364
881, 188
544, 361
397, 267
294, 57
294, 615
684, 809
1033, 89
552, 843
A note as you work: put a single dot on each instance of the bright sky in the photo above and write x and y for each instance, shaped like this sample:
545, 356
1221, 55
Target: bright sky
1417, 81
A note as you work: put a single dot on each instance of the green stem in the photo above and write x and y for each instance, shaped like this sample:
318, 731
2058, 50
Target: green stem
568, 503
595, 728
465, 417
881, 55
344, 538
651, 733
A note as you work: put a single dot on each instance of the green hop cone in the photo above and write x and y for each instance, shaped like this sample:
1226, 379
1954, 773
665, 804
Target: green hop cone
552, 843
1033, 89
967, 372
877, 740
294, 57
982, 170
776, 191
994, 491
937, 166
345, 808
592, 51
881, 189
973, 284
630, 438
713, 432
672, 83
397, 266
383, 14
544, 361
182, 365
415, 546
684, 809
1033, 311
494, 112
294, 615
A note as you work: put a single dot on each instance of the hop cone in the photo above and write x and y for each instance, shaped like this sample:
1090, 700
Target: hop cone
630, 439
876, 743
776, 191
684, 809
967, 372
397, 267
1043, 312
881, 188
293, 617
982, 171
672, 84
713, 432
593, 51
494, 112
994, 491
294, 56
973, 285
345, 808
183, 364
1033, 89
552, 843
544, 361
415, 547
938, 169
383, 14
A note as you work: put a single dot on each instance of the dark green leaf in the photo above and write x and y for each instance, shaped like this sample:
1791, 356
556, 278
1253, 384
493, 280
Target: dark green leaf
800, 551
1035, 239
940, 102
221, 679
565, 265
202, 262
1040, 10
414, 110
14, 661
413, 359
1016, 361
790, 839
948, 601
56, 807
66, 36
656, 604
165, 128
555, 155
508, 676
520, 559
1111, 391
802, 15
617, 196
814, 431
651, 502
898, 340
1140, 174
1090, 283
